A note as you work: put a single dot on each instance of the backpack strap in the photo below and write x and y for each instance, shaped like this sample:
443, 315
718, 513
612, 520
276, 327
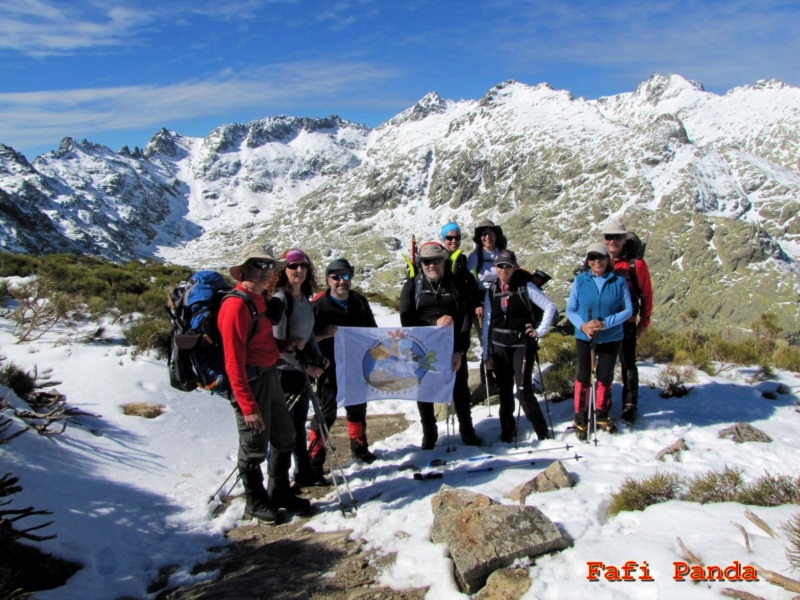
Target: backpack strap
638, 305
254, 314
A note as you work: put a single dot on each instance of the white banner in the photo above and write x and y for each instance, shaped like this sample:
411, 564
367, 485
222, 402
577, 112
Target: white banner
390, 363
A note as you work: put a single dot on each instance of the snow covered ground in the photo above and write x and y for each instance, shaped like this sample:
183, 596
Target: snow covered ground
130, 495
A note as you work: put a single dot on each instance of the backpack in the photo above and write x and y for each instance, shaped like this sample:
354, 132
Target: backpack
196, 358
634, 248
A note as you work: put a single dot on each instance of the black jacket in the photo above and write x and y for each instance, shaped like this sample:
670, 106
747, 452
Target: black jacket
421, 304
328, 312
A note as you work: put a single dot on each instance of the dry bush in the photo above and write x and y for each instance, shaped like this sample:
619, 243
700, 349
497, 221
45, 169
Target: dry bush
143, 409
672, 380
639, 494
792, 530
40, 307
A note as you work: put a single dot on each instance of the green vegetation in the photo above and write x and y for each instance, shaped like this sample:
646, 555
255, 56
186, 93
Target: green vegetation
726, 485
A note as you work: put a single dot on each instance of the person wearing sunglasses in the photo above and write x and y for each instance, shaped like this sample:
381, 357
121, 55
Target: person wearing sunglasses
435, 297
338, 306
451, 240
489, 240
262, 417
598, 305
515, 315
635, 272
296, 283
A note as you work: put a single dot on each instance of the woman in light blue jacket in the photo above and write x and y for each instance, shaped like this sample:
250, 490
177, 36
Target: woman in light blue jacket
599, 303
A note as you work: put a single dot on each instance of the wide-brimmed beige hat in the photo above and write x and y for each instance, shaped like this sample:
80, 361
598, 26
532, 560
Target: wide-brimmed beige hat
615, 226
433, 250
261, 252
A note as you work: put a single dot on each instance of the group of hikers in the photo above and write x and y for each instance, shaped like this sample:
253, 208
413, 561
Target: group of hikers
271, 362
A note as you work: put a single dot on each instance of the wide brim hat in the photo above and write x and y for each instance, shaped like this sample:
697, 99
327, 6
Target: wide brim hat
596, 248
255, 252
616, 226
489, 224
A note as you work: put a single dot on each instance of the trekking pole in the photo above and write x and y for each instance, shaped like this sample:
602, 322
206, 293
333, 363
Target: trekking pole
592, 385
440, 462
521, 389
486, 381
419, 476
219, 489
450, 426
328, 442
544, 391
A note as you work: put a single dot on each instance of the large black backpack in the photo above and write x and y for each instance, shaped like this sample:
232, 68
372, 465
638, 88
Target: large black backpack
196, 357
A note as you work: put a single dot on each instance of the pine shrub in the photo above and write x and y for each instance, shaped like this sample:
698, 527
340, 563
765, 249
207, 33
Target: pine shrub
715, 486
559, 379
656, 346
787, 358
771, 490
149, 333
17, 379
639, 494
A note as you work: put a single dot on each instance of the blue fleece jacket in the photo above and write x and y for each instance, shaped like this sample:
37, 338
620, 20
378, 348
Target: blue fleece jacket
609, 299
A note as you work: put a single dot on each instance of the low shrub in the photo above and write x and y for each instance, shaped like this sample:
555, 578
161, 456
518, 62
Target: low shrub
656, 346
636, 494
771, 490
672, 380
715, 486
559, 378
149, 333
787, 358
15, 378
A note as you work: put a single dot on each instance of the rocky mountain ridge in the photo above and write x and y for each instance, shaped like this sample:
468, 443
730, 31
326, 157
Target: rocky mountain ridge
712, 182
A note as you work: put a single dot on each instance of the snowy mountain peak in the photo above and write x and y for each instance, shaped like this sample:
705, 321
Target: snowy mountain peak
164, 143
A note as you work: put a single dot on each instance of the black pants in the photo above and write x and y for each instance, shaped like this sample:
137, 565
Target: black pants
514, 366
461, 396
294, 387
327, 390
606, 359
627, 360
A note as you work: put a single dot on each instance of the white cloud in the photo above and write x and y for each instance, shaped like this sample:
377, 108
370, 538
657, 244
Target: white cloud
36, 118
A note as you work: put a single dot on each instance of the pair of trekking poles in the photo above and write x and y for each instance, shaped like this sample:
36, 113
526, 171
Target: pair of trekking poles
334, 463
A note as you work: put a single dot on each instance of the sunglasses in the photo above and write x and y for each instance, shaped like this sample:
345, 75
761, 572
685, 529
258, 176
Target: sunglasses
431, 261
451, 238
505, 266
486, 232
343, 277
262, 266
595, 257
613, 236
295, 266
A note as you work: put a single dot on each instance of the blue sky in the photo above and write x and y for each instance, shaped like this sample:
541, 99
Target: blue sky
116, 71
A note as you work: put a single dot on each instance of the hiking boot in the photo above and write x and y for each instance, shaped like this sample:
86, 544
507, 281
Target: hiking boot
291, 503
430, 434
261, 513
311, 478
470, 438
607, 425
363, 454
507, 435
542, 432
582, 432
629, 414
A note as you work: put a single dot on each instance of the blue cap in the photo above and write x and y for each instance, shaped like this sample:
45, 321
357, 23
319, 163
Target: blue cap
448, 227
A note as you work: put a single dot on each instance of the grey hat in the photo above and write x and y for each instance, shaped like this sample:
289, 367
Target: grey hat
615, 226
596, 248
506, 257
340, 264
255, 252
433, 250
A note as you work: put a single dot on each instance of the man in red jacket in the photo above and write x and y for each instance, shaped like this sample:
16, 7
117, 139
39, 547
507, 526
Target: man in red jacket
634, 270
251, 354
